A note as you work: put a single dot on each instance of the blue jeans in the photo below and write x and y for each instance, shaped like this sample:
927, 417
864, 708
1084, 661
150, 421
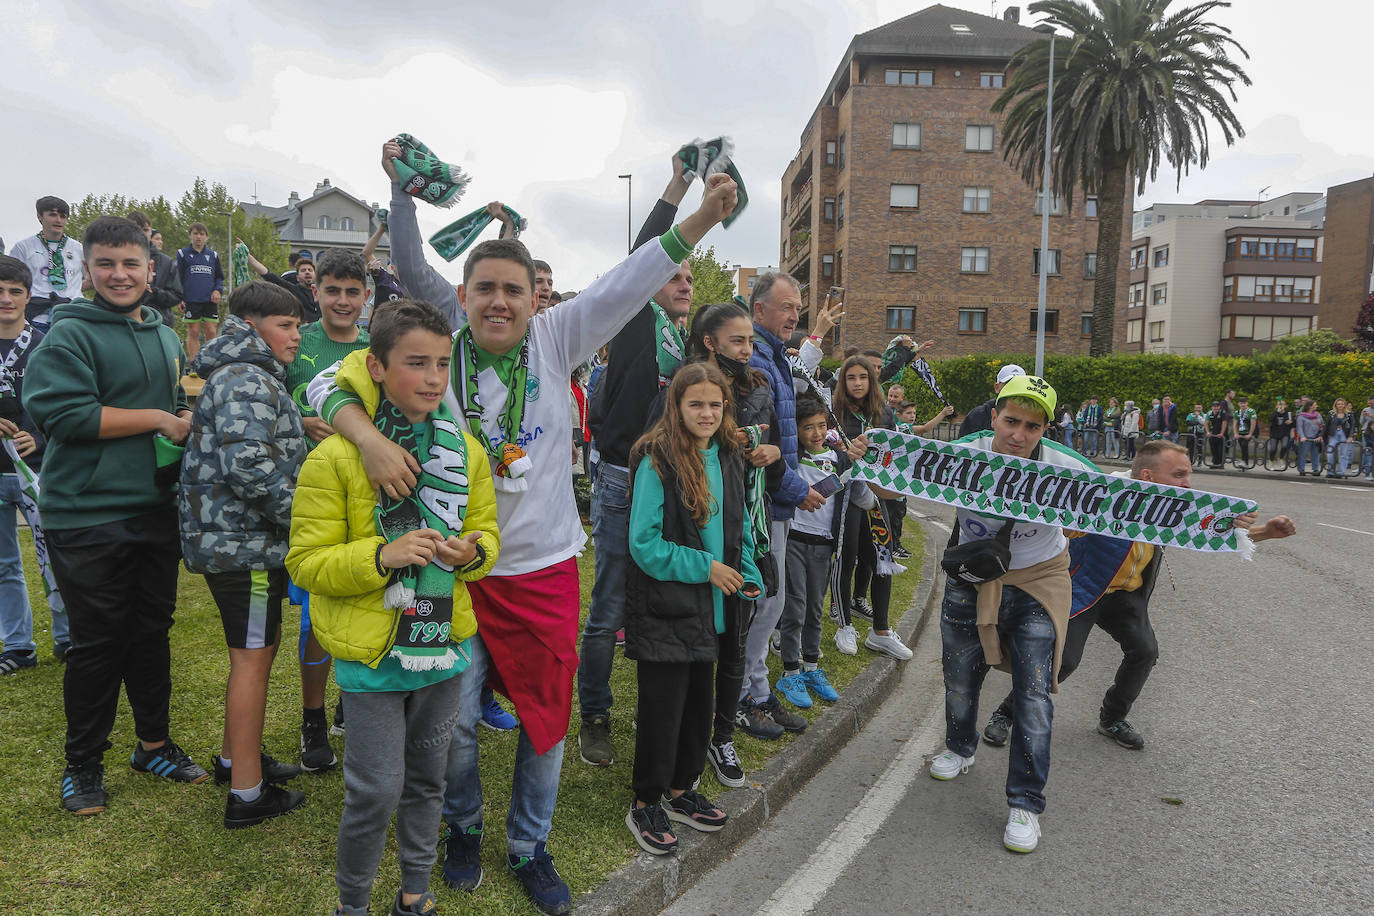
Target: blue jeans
1337, 453
1090, 440
16, 616
1067, 436
1309, 448
1367, 461
1113, 446
1028, 635
534, 788
606, 612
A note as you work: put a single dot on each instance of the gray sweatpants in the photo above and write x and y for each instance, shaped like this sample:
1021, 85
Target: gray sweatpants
769, 611
395, 759
808, 579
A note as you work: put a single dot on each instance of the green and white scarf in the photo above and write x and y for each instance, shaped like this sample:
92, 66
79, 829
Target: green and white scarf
426, 176
424, 594
21, 346
1005, 486
57, 269
756, 497
704, 158
454, 239
509, 463
239, 269
668, 348
28, 504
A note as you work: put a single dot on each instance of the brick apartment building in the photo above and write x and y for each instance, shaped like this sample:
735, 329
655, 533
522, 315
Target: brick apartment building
1348, 271
900, 194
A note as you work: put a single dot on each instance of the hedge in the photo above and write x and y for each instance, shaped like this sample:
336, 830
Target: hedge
967, 380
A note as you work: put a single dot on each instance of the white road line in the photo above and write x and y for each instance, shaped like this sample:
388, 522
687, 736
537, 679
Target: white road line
1351, 489
808, 885
1339, 528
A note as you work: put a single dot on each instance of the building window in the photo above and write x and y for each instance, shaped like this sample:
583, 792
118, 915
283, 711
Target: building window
1056, 204
841, 153
1306, 250
1136, 295
830, 152
324, 223
909, 77
901, 319
901, 257
973, 321
829, 210
904, 195
1085, 325
990, 80
1138, 257
1051, 321
978, 138
827, 266
1156, 331
1162, 256
1090, 265
1090, 208
346, 223
1135, 329
749, 284
906, 136
839, 210
1159, 294
974, 260
977, 200
1051, 265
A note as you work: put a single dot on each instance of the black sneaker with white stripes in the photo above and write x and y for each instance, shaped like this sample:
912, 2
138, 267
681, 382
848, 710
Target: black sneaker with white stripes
726, 763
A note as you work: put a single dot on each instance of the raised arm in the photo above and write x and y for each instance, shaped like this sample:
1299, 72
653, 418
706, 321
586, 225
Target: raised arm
257, 266
407, 246
373, 241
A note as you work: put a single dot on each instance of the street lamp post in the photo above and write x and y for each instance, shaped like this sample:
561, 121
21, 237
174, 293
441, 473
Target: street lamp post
629, 194
1045, 222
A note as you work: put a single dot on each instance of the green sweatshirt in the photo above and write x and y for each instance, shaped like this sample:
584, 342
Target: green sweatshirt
318, 351
94, 358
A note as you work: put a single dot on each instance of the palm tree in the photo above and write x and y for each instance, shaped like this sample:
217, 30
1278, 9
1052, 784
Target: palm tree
1135, 84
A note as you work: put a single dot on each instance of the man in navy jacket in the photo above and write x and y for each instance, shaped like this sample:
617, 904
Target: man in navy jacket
776, 301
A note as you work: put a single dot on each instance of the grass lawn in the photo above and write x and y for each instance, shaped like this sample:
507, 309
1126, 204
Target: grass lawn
161, 848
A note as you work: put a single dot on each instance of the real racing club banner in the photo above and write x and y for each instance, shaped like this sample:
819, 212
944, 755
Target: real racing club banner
1033, 491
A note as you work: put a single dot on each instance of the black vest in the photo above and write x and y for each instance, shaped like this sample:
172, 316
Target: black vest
676, 621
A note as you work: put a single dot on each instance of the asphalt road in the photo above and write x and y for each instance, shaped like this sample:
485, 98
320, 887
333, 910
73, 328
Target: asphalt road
1257, 721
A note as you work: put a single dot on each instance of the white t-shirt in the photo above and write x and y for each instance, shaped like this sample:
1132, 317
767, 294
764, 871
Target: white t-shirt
1031, 543
38, 258
814, 468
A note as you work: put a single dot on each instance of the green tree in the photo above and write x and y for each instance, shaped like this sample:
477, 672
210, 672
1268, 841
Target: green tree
1134, 84
1320, 342
711, 280
1364, 325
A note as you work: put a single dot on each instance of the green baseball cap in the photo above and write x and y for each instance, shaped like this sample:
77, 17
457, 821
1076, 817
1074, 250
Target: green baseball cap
1032, 387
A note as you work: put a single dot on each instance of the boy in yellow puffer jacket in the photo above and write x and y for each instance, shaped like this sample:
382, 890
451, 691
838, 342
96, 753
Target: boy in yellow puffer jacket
386, 601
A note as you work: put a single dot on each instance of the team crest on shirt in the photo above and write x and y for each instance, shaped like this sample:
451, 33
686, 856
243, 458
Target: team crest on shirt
532, 388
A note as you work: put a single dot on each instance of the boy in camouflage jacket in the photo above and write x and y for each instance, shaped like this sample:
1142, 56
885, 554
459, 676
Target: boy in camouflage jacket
238, 475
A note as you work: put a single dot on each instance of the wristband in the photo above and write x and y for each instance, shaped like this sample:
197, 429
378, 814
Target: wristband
381, 570
814, 339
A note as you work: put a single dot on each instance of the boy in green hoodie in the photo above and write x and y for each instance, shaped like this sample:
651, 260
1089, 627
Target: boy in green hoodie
102, 386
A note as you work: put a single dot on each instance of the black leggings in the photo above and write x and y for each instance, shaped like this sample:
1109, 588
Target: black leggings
858, 562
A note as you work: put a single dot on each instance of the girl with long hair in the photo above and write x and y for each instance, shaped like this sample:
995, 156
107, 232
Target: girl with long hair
692, 546
859, 405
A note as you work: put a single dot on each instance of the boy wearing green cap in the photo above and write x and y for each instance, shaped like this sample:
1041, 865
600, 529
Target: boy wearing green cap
1017, 619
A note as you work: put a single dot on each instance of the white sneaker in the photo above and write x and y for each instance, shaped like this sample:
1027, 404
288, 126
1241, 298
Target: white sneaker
1023, 831
949, 765
775, 642
846, 640
887, 645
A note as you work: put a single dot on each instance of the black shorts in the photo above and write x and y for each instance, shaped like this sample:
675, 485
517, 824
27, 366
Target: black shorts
249, 603
202, 311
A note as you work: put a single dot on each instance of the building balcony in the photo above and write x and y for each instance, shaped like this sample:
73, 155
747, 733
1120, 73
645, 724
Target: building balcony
799, 202
797, 252
351, 237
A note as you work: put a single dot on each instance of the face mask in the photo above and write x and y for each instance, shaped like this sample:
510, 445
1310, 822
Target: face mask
110, 306
732, 368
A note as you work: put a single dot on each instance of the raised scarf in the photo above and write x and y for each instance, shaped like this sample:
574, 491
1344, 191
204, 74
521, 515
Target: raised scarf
704, 158
509, 463
668, 347
239, 265
424, 594
454, 239
426, 176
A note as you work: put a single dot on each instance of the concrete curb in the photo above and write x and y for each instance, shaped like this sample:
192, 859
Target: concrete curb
649, 883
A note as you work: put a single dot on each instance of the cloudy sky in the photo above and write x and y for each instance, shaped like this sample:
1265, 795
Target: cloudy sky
544, 103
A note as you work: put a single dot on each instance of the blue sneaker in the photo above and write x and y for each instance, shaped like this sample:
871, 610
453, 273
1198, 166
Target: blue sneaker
463, 858
793, 689
546, 888
496, 718
819, 684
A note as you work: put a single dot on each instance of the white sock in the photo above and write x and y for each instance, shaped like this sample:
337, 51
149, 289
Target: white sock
225, 761
810, 666
248, 795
